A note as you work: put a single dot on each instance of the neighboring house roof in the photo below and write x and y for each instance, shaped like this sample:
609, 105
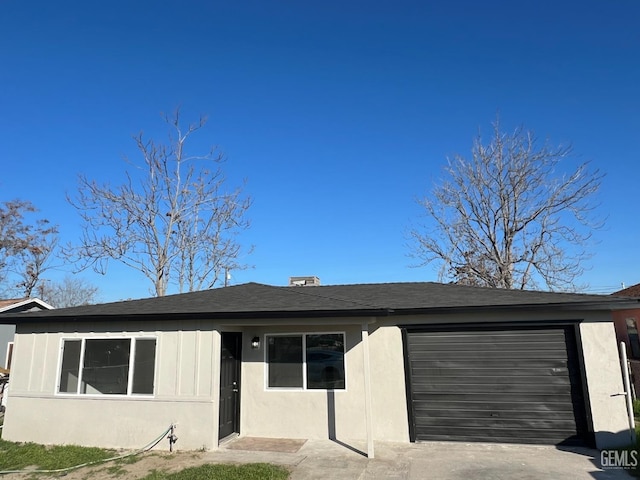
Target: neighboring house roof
23, 305
7, 303
632, 291
254, 300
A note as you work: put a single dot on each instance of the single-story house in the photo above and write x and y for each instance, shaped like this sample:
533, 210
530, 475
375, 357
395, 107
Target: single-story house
398, 362
626, 323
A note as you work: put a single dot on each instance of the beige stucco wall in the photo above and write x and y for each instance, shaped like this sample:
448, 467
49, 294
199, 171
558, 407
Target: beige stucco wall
322, 414
390, 420
604, 377
186, 379
187, 385
296, 413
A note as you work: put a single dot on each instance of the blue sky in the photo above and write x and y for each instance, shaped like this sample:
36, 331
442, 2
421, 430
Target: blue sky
338, 114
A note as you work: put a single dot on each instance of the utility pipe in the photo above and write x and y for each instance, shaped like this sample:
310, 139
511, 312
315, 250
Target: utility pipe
627, 391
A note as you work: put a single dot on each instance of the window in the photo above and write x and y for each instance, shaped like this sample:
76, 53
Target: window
7, 362
108, 366
309, 361
634, 341
285, 361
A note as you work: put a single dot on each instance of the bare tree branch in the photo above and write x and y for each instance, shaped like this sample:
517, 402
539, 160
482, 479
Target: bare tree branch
507, 218
26, 248
176, 222
72, 291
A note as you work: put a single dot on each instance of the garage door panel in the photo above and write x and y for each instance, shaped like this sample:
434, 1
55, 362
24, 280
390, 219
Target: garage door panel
506, 430
542, 437
442, 377
472, 346
489, 399
478, 389
518, 385
472, 413
514, 364
501, 354
505, 336
447, 405
560, 424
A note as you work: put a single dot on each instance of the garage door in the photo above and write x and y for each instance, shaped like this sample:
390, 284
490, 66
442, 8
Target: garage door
519, 385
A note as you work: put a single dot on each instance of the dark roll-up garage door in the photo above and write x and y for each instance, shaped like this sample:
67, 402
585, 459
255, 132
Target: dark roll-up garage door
519, 385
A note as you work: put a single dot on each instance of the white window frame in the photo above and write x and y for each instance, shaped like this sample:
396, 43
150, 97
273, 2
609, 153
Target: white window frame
304, 361
132, 352
8, 355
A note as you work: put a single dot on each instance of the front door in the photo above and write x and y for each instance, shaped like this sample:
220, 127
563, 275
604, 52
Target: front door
231, 346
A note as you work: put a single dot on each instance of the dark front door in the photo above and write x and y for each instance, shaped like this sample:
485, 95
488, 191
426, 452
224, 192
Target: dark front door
230, 384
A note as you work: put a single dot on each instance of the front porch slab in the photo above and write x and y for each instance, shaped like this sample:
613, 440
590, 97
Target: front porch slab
261, 444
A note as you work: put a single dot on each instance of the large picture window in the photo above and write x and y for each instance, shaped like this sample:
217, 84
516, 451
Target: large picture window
308, 361
108, 366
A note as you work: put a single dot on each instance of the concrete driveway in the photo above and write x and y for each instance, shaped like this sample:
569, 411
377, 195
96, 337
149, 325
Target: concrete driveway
322, 459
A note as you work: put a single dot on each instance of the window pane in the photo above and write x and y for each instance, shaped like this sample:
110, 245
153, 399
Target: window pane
9, 355
144, 366
70, 366
325, 361
284, 356
106, 366
634, 341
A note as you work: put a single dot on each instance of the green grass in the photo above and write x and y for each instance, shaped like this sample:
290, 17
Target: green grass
252, 471
31, 456
636, 413
18, 456
635, 471
116, 470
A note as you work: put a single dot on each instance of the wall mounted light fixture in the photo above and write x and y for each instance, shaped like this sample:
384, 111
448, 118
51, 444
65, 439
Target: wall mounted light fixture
255, 343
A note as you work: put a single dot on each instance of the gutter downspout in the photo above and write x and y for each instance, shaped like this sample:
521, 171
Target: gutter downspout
367, 388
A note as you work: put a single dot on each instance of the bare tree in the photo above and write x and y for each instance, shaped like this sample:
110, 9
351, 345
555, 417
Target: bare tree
26, 247
36, 259
72, 291
174, 220
508, 218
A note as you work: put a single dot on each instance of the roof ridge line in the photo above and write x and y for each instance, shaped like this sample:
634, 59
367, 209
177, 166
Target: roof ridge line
352, 302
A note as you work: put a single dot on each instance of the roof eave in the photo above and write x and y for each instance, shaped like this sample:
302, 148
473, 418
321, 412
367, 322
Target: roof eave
50, 316
569, 306
35, 318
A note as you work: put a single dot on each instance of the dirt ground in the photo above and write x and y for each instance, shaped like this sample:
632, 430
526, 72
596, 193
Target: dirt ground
124, 469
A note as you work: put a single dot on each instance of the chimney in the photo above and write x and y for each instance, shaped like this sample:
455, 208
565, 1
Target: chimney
312, 281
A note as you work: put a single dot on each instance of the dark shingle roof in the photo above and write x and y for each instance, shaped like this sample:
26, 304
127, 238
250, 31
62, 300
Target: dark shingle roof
632, 291
257, 300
